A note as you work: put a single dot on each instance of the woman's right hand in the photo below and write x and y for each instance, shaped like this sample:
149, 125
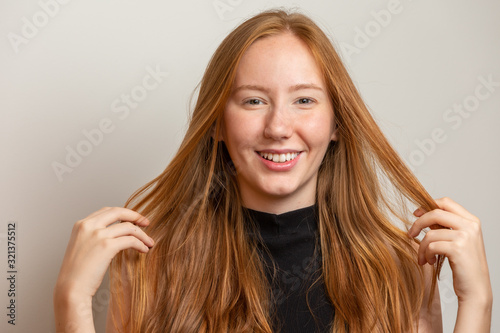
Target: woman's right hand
94, 241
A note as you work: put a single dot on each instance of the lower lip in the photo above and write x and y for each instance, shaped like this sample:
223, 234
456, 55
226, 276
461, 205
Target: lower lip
285, 166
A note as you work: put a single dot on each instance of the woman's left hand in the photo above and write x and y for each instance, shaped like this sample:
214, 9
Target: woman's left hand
462, 243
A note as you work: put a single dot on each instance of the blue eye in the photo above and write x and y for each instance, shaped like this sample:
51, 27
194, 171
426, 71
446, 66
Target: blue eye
304, 100
253, 101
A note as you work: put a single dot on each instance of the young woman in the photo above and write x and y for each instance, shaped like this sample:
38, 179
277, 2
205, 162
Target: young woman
275, 214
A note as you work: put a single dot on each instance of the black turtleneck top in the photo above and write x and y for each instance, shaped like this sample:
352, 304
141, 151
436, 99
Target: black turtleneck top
290, 239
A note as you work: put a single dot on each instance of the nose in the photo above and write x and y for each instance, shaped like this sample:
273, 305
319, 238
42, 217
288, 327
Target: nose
279, 124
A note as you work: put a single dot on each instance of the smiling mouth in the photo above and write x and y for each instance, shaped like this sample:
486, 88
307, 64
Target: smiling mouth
279, 158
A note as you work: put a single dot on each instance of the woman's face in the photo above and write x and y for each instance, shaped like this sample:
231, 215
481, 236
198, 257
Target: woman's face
277, 124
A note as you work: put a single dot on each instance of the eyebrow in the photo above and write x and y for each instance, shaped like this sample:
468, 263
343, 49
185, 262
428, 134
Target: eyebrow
296, 87
305, 86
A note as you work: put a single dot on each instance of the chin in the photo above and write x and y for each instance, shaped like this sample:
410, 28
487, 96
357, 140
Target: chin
279, 191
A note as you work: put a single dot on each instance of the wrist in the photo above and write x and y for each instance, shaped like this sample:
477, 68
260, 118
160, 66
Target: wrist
70, 300
482, 300
69, 293
72, 310
474, 315
480, 306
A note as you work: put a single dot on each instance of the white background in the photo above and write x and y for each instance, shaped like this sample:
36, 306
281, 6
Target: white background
63, 78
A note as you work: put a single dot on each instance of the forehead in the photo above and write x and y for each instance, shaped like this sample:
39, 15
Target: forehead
278, 60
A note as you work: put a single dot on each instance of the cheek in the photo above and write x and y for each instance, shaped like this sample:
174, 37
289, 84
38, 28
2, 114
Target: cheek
319, 129
240, 129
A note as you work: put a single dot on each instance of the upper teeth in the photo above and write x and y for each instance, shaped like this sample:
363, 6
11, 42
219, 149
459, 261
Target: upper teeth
279, 158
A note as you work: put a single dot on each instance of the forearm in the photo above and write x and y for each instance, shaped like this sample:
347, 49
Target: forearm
73, 314
474, 317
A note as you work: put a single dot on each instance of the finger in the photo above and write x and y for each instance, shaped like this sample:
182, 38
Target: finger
437, 248
431, 237
127, 229
449, 205
419, 212
436, 216
128, 242
110, 216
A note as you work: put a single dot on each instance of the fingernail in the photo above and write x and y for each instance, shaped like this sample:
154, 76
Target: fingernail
152, 241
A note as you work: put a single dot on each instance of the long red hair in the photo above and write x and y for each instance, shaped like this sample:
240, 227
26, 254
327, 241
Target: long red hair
205, 275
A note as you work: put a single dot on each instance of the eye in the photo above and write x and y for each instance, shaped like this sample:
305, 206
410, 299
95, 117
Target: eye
304, 100
253, 101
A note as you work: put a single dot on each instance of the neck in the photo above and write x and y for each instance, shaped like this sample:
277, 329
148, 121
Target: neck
276, 205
